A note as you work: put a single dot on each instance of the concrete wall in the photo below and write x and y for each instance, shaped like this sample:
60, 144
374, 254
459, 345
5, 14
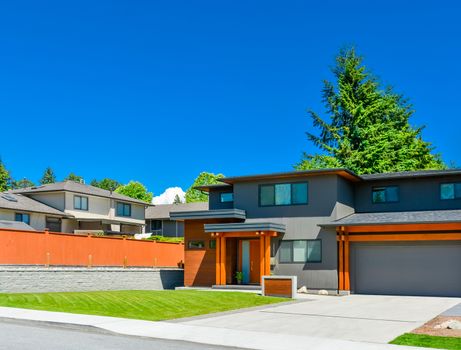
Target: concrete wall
15, 279
414, 194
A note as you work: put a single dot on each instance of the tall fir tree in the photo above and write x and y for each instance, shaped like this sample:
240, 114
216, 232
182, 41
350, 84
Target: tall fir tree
367, 128
48, 177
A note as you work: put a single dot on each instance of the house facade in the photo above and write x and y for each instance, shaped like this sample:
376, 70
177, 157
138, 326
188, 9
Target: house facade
396, 233
86, 208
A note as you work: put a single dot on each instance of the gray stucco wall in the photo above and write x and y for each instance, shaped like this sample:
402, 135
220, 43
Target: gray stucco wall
214, 200
16, 279
414, 194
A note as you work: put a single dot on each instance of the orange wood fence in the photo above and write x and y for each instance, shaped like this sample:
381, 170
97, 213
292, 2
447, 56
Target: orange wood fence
55, 249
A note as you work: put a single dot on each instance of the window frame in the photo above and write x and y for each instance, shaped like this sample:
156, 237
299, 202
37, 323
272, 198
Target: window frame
210, 245
22, 217
307, 247
454, 190
275, 194
196, 241
81, 197
157, 229
373, 188
123, 211
226, 201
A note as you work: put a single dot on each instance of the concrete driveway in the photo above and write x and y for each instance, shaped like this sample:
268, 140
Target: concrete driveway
364, 318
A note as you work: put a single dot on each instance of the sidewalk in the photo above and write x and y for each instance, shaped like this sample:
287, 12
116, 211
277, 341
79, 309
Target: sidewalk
263, 340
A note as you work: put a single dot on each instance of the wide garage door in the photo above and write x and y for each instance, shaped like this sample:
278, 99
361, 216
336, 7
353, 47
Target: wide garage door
430, 268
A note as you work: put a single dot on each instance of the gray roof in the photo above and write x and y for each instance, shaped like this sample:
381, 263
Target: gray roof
245, 227
209, 214
76, 187
15, 225
14, 201
162, 211
401, 217
406, 174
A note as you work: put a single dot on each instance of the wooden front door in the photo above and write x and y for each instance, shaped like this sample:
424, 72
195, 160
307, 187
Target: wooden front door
254, 262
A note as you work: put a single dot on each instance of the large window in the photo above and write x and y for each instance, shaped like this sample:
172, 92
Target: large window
227, 197
156, 225
386, 194
123, 209
283, 194
450, 191
22, 217
196, 244
300, 251
80, 203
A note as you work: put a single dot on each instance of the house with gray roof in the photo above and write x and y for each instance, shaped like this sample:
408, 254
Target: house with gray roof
395, 233
86, 208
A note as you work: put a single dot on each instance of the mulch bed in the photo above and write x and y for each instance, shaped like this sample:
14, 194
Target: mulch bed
429, 329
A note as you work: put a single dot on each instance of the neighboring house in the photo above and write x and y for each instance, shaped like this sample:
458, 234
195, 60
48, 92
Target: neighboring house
16, 209
86, 208
158, 221
395, 233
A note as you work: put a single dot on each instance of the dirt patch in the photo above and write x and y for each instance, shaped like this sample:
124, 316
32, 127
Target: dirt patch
429, 327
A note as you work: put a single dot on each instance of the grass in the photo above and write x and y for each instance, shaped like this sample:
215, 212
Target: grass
428, 341
166, 239
143, 305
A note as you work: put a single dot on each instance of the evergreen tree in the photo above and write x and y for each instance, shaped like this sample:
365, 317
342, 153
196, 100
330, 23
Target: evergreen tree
5, 178
48, 177
22, 184
177, 200
73, 177
367, 129
106, 184
204, 178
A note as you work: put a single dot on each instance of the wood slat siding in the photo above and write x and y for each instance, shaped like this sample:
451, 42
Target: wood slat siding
278, 287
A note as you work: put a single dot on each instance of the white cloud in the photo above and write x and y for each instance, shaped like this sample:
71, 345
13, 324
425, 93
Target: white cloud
167, 197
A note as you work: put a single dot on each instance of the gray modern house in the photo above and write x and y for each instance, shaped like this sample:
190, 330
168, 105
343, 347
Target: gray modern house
395, 233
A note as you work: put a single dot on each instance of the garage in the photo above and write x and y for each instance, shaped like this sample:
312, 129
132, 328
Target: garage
406, 268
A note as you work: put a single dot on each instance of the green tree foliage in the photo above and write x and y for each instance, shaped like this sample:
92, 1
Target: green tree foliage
177, 200
137, 190
5, 178
48, 177
204, 178
22, 184
106, 184
73, 177
367, 127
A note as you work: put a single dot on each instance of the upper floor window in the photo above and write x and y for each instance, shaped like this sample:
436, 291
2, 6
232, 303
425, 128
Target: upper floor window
227, 197
283, 194
300, 251
450, 191
386, 194
80, 203
123, 209
23, 217
156, 225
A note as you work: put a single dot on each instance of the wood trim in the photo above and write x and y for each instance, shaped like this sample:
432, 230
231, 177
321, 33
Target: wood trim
404, 228
261, 257
340, 263
347, 284
267, 256
218, 260
222, 259
406, 237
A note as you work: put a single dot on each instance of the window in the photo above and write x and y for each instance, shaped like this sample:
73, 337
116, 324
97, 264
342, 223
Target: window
53, 224
156, 225
25, 218
300, 251
212, 244
450, 191
227, 197
123, 209
196, 244
283, 194
80, 203
385, 194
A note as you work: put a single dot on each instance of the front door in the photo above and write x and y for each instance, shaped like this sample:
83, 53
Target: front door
250, 261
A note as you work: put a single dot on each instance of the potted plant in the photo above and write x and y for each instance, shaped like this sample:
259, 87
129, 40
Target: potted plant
239, 277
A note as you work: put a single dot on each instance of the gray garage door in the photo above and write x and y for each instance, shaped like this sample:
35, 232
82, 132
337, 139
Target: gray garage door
430, 268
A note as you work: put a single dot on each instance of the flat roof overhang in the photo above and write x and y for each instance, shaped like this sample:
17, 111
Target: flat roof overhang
209, 214
245, 227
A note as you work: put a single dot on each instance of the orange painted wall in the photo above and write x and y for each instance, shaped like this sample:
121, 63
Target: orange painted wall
40, 248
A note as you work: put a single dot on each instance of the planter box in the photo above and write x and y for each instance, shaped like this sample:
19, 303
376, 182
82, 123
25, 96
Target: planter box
280, 286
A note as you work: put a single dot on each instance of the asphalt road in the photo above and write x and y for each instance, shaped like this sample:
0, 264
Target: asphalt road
37, 336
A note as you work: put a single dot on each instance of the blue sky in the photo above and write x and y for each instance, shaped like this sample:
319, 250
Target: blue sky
158, 91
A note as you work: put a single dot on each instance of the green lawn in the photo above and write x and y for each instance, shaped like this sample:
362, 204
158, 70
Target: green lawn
144, 305
428, 341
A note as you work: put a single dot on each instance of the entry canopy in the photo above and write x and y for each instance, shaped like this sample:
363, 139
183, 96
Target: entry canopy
245, 227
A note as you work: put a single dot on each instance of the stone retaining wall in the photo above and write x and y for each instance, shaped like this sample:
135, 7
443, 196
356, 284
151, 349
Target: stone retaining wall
17, 279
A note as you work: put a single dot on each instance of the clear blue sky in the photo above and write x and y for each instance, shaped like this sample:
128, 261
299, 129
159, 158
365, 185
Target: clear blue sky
158, 91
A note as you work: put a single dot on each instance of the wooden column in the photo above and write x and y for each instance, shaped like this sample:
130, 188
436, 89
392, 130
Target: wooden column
340, 261
267, 255
347, 285
261, 256
218, 260
222, 255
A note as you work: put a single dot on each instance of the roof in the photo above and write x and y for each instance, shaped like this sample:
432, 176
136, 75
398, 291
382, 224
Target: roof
72, 186
343, 172
15, 201
209, 214
401, 217
15, 225
207, 188
407, 174
162, 211
245, 227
